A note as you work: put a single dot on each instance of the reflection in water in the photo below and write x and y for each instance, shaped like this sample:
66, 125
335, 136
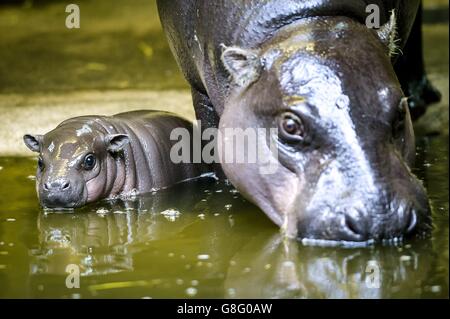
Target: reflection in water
271, 267
115, 236
102, 240
203, 240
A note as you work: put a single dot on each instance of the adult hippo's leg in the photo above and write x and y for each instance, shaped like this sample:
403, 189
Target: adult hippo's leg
410, 69
207, 115
204, 110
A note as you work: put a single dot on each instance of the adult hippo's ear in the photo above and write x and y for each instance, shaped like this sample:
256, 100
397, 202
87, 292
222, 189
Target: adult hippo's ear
243, 65
33, 142
116, 142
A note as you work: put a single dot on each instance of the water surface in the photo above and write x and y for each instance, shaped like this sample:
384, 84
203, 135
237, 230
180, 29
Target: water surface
203, 239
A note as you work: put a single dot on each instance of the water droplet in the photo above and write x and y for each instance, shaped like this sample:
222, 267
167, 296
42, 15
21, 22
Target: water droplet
405, 258
246, 270
342, 101
228, 206
435, 289
194, 282
231, 292
10, 219
203, 257
179, 281
102, 211
191, 291
201, 216
267, 266
171, 254
171, 214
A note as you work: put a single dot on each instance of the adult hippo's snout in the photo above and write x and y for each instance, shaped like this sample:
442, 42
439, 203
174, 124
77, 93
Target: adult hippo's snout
374, 207
343, 141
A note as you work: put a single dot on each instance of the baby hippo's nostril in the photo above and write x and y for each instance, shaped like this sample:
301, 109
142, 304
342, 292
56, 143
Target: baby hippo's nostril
56, 186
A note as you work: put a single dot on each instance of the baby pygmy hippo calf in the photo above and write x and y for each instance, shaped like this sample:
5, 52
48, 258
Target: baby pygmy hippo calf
89, 158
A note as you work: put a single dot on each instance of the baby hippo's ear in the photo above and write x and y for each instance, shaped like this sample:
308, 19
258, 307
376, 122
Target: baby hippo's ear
33, 142
116, 142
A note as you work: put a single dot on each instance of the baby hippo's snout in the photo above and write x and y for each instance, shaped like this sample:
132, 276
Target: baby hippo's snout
61, 193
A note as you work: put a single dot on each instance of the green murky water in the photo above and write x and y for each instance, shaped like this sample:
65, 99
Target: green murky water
204, 240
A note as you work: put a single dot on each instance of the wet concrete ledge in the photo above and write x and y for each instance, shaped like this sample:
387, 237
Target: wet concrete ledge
119, 61
39, 113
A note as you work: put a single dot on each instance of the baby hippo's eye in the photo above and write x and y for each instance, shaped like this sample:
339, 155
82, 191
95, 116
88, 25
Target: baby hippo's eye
40, 163
291, 127
89, 162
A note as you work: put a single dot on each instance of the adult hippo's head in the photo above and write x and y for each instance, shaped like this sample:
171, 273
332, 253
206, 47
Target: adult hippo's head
75, 165
344, 141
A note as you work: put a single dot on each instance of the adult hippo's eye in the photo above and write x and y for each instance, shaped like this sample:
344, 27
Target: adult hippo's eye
89, 162
291, 127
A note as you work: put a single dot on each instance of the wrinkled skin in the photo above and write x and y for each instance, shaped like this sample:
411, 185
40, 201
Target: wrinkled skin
315, 72
89, 158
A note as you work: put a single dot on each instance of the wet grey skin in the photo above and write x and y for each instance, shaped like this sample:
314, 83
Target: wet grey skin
315, 72
88, 158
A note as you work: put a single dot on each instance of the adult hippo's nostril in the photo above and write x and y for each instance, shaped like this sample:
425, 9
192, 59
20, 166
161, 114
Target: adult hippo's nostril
411, 223
356, 227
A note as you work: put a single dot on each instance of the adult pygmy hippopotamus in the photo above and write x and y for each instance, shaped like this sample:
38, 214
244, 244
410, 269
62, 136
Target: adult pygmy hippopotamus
315, 71
88, 158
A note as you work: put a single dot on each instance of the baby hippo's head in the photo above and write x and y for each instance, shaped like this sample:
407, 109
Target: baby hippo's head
73, 164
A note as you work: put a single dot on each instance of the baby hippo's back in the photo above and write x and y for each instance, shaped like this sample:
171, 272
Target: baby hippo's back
88, 158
